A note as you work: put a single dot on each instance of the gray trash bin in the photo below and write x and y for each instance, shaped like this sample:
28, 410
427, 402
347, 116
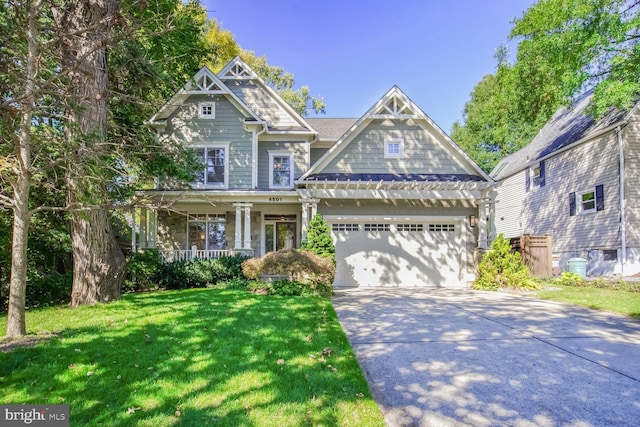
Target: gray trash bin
577, 266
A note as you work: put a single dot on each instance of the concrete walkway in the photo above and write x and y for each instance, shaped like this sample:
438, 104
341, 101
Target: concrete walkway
449, 358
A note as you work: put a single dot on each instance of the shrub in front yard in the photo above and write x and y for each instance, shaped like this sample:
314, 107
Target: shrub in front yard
142, 271
199, 273
309, 273
319, 239
500, 268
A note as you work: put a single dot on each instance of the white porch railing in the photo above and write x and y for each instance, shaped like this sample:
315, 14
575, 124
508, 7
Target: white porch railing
186, 254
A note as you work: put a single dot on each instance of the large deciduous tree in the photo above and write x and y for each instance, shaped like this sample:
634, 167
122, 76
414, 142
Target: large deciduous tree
565, 47
568, 46
57, 121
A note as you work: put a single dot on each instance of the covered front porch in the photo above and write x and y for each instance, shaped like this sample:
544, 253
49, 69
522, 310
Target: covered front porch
208, 227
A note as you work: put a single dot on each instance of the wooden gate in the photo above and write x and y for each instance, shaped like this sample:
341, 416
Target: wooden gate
535, 252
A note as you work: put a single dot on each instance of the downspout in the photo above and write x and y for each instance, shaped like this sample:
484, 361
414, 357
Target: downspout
623, 228
254, 157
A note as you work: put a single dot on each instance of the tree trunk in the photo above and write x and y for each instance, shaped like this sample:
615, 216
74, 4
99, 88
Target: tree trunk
99, 265
98, 262
16, 321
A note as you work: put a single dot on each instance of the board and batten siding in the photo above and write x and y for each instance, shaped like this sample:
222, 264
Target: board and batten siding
511, 193
423, 152
297, 149
185, 127
546, 208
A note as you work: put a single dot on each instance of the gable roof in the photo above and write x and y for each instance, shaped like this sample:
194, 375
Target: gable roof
204, 82
394, 104
566, 127
262, 99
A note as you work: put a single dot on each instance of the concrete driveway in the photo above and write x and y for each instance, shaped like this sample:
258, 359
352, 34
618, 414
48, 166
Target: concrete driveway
445, 358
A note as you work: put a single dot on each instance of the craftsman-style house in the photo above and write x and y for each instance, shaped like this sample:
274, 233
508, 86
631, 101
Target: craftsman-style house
407, 207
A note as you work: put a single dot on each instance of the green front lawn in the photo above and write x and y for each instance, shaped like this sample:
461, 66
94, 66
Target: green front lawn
192, 358
616, 301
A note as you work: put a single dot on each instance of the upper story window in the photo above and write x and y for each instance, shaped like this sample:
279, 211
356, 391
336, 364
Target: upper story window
394, 148
588, 201
216, 166
535, 175
281, 170
207, 110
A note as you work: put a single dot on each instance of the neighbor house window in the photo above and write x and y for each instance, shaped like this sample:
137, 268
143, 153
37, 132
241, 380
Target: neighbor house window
207, 110
610, 255
215, 171
588, 201
281, 174
206, 232
394, 148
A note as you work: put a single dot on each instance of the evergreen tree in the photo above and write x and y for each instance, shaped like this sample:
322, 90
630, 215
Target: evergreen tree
319, 239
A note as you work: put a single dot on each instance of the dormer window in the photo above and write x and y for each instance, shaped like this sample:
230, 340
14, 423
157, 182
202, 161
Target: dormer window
394, 148
207, 110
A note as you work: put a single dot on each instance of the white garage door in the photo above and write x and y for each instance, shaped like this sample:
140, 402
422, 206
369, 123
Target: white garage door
392, 253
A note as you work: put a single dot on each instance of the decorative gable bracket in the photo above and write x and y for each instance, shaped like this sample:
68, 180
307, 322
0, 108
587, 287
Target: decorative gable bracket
205, 82
395, 108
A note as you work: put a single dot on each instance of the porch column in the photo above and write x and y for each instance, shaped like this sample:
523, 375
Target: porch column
133, 230
143, 228
153, 229
482, 225
305, 220
247, 226
238, 243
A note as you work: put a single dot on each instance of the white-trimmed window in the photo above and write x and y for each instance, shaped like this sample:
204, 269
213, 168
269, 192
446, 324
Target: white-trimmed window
587, 201
394, 148
281, 170
216, 166
207, 110
206, 231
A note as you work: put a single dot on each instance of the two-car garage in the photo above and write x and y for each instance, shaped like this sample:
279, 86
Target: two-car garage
399, 252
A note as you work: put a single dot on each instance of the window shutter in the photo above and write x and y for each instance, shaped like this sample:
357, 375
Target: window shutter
599, 197
572, 204
542, 173
527, 179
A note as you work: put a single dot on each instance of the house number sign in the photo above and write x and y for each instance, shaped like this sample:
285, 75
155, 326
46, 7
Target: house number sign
275, 199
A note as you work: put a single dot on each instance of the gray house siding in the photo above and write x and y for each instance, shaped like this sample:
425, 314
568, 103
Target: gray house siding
631, 138
263, 104
184, 127
511, 195
298, 149
316, 153
422, 152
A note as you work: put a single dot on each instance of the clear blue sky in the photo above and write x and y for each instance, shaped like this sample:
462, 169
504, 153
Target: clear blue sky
351, 52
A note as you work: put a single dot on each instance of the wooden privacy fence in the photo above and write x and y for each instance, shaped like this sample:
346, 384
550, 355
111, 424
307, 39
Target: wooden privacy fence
535, 252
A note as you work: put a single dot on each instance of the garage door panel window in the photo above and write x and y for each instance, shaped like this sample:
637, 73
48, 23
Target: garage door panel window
377, 227
410, 227
442, 227
345, 227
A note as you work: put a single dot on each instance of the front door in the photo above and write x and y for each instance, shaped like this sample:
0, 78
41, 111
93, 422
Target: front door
279, 235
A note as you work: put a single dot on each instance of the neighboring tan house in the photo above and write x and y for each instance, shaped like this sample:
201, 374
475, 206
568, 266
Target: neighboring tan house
402, 199
578, 181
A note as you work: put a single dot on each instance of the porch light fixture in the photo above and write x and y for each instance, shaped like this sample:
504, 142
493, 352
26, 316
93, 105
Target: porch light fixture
472, 221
